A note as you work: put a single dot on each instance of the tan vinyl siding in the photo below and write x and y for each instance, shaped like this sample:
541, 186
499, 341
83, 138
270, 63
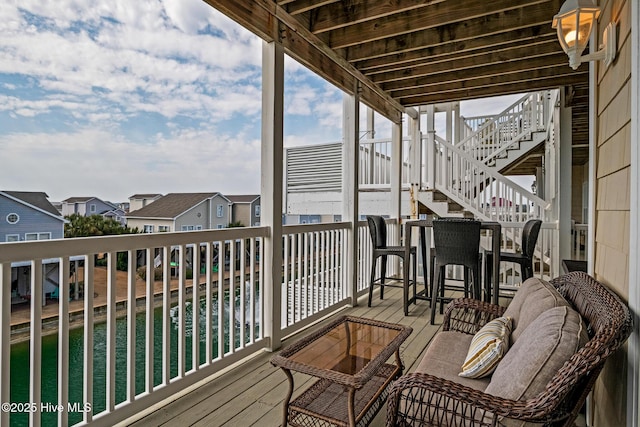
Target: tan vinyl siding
612, 198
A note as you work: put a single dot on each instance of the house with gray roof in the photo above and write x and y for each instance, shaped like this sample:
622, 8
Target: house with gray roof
182, 212
87, 206
28, 215
245, 209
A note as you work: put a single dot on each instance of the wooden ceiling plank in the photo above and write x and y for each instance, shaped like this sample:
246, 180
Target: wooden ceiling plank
464, 31
483, 58
533, 66
301, 6
523, 36
484, 91
349, 13
465, 54
440, 15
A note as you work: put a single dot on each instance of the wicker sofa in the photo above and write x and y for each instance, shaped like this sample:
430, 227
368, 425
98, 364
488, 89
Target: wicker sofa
544, 377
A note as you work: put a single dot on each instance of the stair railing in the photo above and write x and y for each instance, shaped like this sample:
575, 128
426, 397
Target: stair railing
483, 191
495, 134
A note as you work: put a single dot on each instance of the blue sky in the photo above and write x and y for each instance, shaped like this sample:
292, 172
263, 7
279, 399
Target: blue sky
110, 99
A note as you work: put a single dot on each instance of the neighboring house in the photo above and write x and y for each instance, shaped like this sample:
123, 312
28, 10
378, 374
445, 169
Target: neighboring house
26, 215
245, 209
139, 201
87, 206
182, 212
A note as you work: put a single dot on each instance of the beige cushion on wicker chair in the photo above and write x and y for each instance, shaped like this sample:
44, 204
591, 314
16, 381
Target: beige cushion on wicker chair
542, 349
534, 297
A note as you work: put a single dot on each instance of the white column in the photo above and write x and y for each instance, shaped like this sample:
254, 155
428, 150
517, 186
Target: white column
396, 171
350, 192
416, 164
271, 185
563, 183
430, 154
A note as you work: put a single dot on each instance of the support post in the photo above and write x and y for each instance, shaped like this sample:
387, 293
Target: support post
416, 164
431, 155
350, 173
563, 183
271, 185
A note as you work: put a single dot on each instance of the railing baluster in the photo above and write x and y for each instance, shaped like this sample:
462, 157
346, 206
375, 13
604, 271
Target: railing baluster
208, 303
35, 342
182, 308
63, 340
131, 326
166, 315
149, 322
87, 381
195, 304
112, 259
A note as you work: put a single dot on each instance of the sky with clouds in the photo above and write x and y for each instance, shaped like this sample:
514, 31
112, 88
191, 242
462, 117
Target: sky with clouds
110, 99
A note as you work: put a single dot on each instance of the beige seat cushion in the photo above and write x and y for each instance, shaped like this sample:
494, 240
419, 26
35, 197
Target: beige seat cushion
534, 297
542, 349
444, 357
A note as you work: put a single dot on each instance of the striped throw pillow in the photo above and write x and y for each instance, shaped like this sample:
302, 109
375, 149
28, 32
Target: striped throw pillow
487, 348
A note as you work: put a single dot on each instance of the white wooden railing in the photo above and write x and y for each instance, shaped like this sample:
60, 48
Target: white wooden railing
488, 137
193, 343
483, 191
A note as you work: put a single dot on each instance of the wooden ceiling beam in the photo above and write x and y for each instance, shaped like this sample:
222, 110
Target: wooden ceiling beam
497, 88
482, 58
523, 36
446, 16
301, 6
465, 31
345, 14
483, 73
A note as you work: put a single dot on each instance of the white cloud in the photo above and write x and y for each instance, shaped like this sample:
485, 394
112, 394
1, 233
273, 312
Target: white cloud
96, 163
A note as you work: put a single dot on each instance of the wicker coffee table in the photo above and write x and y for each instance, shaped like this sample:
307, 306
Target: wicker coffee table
349, 356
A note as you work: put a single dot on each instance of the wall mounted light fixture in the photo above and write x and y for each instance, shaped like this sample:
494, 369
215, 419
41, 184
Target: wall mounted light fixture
574, 23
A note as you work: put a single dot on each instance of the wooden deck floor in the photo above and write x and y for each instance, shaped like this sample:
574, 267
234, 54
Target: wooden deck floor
252, 394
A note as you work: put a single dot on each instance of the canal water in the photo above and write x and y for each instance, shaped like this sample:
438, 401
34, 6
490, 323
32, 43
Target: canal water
20, 361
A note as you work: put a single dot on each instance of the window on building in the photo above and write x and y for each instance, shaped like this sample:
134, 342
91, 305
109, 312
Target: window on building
13, 237
258, 211
163, 228
188, 228
198, 227
220, 226
92, 208
220, 211
148, 228
13, 218
37, 236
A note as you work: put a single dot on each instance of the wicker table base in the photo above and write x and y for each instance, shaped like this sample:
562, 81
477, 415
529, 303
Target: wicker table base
327, 397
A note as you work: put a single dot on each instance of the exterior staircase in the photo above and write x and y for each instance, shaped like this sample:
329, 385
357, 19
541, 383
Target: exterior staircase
467, 179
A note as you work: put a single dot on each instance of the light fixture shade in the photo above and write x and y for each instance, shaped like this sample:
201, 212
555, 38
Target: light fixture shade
574, 22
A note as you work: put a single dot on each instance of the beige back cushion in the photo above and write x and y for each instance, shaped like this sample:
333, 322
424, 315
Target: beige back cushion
542, 349
534, 297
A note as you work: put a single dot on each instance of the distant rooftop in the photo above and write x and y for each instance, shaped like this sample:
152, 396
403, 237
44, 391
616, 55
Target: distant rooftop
171, 205
243, 198
38, 199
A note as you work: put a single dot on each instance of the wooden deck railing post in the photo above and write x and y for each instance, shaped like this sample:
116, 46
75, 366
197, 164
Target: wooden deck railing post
350, 173
271, 185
